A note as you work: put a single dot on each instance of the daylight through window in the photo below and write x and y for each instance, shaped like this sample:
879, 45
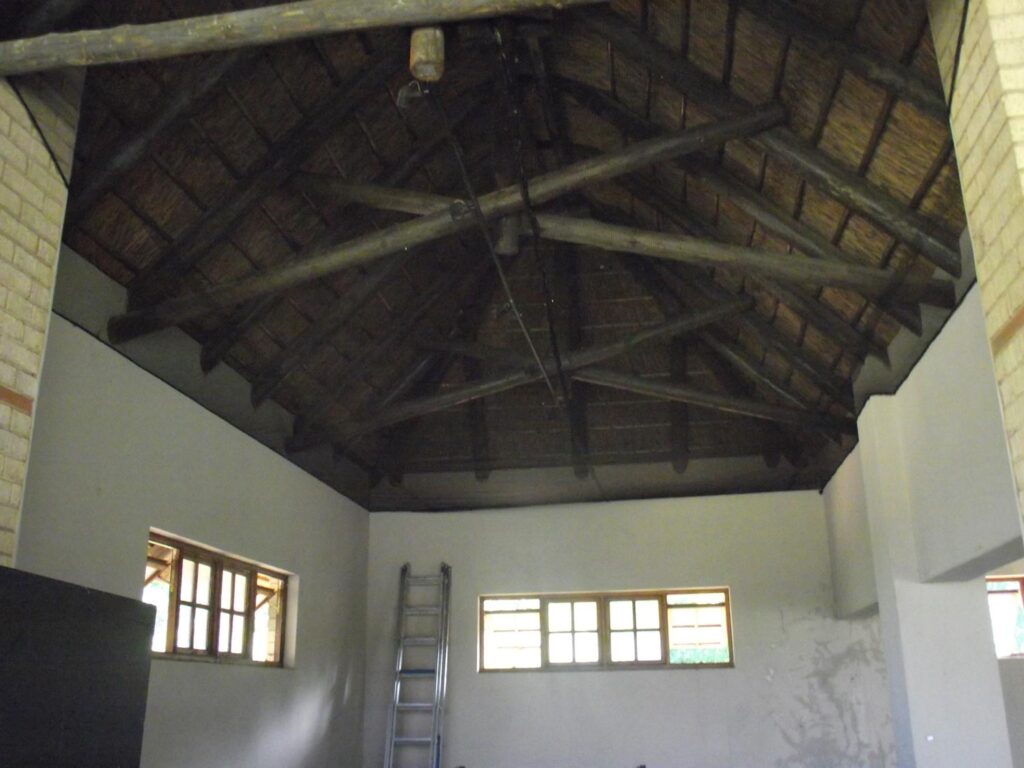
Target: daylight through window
666, 628
212, 606
1006, 609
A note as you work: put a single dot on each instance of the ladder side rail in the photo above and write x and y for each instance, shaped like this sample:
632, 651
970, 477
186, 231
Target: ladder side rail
399, 654
442, 675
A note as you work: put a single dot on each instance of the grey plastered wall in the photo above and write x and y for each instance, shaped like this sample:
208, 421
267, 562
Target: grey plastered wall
117, 451
807, 689
853, 575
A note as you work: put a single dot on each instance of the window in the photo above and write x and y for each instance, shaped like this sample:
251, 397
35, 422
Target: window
678, 629
1006, 609
212, 606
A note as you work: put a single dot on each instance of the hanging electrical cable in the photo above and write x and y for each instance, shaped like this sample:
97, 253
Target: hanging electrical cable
474, 209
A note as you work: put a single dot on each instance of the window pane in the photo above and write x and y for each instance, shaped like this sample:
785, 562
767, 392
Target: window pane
225, 589
1007, 615
648, 645
528, 658
586, 646
202, 623
528, 604
241, 582
559, 617
622, 646
698, 635
513, 621
158, 593
203, 584
224, 632
184, 639
585, 615
620, 614
560, 648
648, 614
188, 575
237, 633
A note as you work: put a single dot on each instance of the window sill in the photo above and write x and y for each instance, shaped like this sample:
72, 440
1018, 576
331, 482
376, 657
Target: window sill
616, 668
214, 660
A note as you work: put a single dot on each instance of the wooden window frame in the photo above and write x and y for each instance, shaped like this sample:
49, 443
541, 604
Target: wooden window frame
604, 662
218, 562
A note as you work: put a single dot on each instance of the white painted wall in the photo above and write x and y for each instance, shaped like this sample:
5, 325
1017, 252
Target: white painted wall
853, 575
115, 452
807, 690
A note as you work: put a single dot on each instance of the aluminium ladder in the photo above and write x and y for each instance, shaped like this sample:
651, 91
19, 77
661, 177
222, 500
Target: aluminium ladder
421, 671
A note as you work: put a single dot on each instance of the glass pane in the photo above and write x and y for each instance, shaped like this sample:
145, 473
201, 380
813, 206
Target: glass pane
697, 598
586, 646
224, 632
241, 582
202, 624
560, 648
203, 584
648, 646
225, 590
585, 615
237, 633
620, 614
622, 646
560, 617
262, 647
158, 593
648, 614
528, 658
513, 621
527, 604
188, 576
184, 639
1007, 615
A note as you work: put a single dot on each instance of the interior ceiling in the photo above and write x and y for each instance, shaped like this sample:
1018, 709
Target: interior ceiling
199, 171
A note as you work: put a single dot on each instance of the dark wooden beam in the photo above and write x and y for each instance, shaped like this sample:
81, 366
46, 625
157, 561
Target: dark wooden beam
180, 100
434, 226
756, 205
869, 281
664, 390
283, 158
252, 312
528, 374
833, 178
240, 29
679, 414
897, 79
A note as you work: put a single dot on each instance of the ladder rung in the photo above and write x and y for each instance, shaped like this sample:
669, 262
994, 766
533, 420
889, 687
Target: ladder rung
414, 741
421, 610
424, 640
416, 672
416, 706
423, 581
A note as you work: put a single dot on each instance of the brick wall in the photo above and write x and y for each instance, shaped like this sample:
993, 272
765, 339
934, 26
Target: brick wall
987, 119
32, 201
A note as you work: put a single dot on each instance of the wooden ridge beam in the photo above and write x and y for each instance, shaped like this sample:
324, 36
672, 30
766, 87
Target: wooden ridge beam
897, 79
281, 161
664, 390
752, 202
239, 29
507, 380
832, 177
252, 312
409, 234
180, 100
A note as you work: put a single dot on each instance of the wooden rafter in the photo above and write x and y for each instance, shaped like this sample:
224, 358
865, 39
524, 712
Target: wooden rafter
505, 381
897, 79
282, 160
180, 100
434, 226
756, 205
833, 178
239, 29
